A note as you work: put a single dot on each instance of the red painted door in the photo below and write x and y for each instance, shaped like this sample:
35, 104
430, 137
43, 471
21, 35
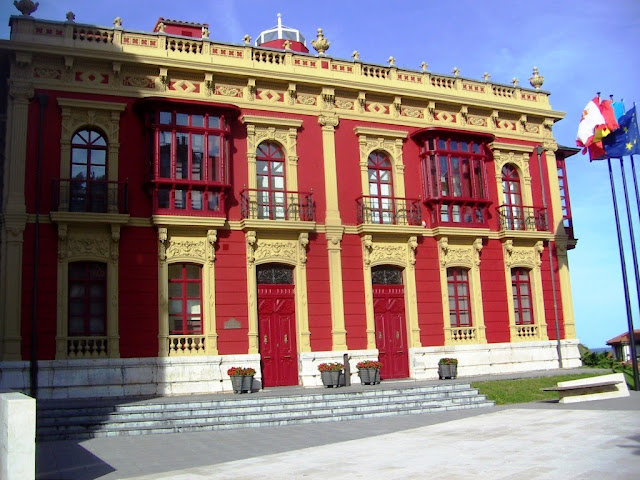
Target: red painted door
277, 335
391, 332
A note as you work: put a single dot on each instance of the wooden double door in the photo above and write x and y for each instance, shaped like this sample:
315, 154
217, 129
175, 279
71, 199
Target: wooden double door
391, 330
277, 335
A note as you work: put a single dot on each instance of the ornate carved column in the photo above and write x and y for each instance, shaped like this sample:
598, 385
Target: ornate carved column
252, 294
113, 337
209, 302
411, 292
14, 218
367, 247
329, 123
302, 315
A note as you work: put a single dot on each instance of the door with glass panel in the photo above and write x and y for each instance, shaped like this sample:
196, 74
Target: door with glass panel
271, 185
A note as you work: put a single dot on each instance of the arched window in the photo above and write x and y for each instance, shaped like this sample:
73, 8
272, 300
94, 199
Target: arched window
512, 212
185, 299
521, 285
270, 168
380, 188
88, 177
87, 299
458, 291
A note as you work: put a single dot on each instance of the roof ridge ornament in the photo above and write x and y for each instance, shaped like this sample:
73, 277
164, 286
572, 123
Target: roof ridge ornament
26, 7
537, 80
320, 45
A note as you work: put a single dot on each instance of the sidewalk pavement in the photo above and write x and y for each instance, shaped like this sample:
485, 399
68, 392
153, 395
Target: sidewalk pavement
542, 440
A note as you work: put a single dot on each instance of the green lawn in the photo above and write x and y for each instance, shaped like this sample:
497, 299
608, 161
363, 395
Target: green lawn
524, 390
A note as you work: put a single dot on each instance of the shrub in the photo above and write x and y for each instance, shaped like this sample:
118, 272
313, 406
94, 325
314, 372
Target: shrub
240, 371
369, 364
448, 361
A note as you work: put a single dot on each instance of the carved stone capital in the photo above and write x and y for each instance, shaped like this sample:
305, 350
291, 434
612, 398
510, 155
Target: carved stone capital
162, 248
212, 237
303, 242
251, 239
413, 245
328, 122
21, 91
367, 247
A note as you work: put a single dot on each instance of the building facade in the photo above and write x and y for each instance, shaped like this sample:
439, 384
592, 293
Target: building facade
174, 206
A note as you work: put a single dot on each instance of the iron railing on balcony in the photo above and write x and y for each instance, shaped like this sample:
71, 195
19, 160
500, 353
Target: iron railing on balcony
277, 205
388, 210
524, 218
96, 196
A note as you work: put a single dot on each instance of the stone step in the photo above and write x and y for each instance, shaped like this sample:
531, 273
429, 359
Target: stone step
82, 432
78, 419
263, 404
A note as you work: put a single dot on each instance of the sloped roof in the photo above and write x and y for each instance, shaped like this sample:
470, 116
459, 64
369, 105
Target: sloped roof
624, 338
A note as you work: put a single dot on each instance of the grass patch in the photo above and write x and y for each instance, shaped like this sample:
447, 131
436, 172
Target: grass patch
524, 390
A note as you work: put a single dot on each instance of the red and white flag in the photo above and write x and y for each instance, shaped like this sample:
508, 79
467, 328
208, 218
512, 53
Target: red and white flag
592, 122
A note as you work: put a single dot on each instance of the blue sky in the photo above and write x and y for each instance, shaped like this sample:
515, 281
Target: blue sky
580, 46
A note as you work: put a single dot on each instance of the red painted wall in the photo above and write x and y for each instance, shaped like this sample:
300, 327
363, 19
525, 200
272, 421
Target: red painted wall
231, 292
138, 281
547, 292
46, 307
430, 315
355, 319
318, 294
494, 297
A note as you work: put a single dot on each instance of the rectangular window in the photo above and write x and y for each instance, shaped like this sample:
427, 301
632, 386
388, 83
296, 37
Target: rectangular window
458, 291
191, 171
185, 299
521, 285
87, 299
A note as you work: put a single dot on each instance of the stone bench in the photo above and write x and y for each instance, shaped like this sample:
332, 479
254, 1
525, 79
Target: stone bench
592, 388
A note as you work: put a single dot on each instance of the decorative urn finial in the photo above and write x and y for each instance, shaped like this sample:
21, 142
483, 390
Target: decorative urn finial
117, 22
320, 45
424, 66
455, 71
486, 77
392, 61
246, 39
355, 55
537, 80
515, 81
71, 17
26, 7
287, 44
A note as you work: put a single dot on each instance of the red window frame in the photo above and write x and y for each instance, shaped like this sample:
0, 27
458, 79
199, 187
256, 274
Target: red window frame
459, 297
88, 171
87, 299
185, 291
271, 197
380, 204
191, 175
522, 297
454, 178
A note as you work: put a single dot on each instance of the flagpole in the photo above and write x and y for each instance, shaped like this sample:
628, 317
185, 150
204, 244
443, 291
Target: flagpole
624, 274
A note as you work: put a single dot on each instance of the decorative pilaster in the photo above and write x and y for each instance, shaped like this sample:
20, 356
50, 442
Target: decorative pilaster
367, 247
338, 331
209, 302
302, 311
411, 292
163, 294
329, 123
252, 294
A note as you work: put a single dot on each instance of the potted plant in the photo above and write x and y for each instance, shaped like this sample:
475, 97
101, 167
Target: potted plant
241, 379
369, 371
330, 373
447, 368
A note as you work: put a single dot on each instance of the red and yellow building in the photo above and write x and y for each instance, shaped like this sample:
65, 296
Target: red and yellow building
180, 206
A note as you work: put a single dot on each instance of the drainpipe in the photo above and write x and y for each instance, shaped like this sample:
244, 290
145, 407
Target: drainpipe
33, 365
539, 150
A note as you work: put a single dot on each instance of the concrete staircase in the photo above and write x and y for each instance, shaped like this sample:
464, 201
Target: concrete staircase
87, 418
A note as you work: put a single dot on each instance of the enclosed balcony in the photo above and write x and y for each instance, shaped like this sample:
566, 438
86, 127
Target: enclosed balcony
523, 218
388, 210
286, 205
91, 196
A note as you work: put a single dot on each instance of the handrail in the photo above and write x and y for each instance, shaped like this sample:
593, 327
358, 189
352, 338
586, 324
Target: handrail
86, 195
266, 204
388, 210
523, 218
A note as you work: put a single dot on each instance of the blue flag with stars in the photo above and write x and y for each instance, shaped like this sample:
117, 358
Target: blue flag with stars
626, 139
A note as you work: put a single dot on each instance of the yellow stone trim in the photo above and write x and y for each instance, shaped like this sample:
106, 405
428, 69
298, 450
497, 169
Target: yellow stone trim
187, 221
465, 255
515, 156
283, 131
526, 257
88, 243
284, 251
273, 225
388, 141
565, 291
401, 254
179, 246
88, 218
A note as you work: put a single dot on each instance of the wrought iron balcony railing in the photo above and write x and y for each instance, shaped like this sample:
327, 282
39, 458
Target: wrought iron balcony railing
388, 210
523, 218
277, 205
95, 196
459, 212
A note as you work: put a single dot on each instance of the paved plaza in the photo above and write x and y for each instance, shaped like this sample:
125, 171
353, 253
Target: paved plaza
590, 440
